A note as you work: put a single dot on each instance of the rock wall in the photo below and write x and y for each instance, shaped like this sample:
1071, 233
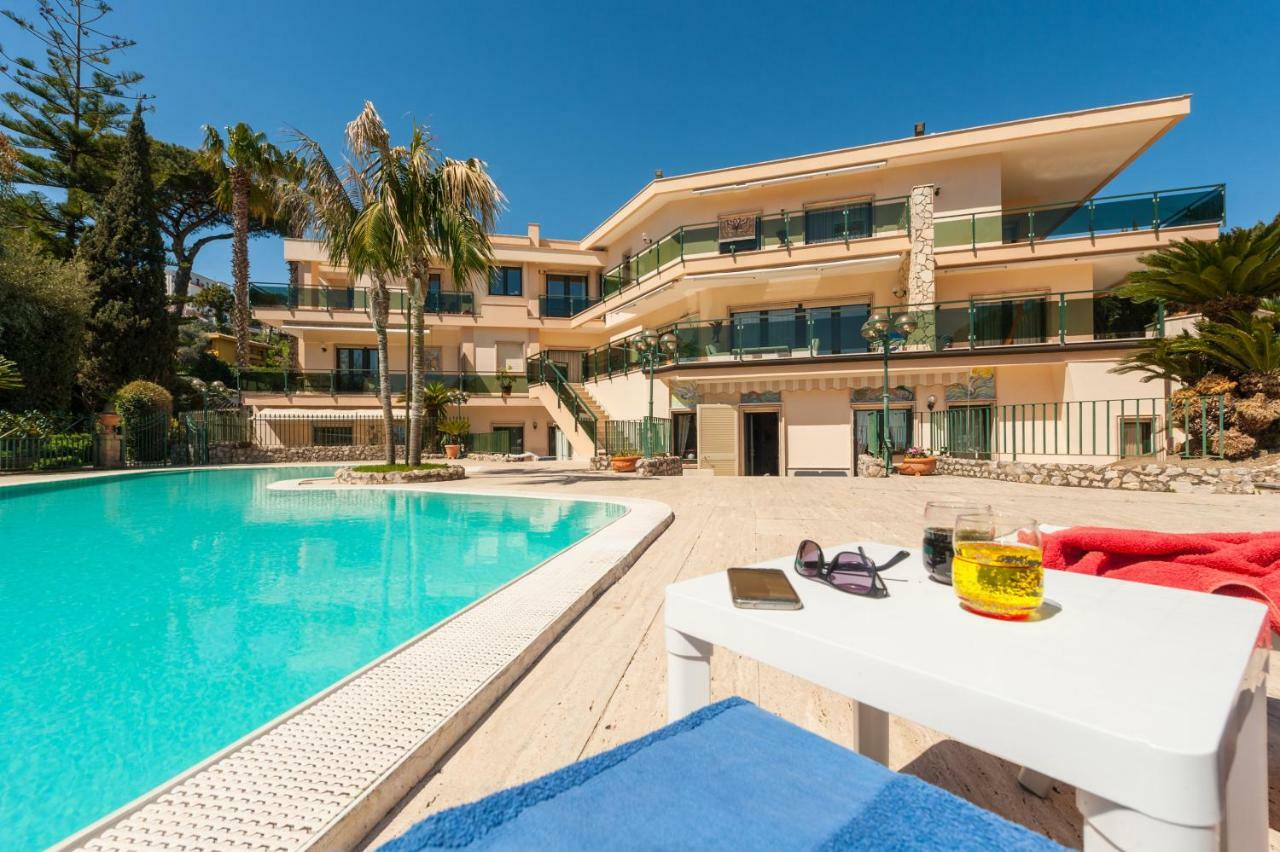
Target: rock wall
1183, 478
355, 477
921, 289
870, 466
268, 455
661, 466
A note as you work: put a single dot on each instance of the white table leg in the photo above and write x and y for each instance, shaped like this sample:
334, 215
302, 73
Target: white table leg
873, 733
1109, 827
1035, 783
1246, 818
688, 674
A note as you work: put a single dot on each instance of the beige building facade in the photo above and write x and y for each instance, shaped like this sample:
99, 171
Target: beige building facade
987, 255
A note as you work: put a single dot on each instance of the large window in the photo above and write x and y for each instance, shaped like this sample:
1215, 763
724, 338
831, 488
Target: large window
515, 437
832, 224
772, 330
357, 369
566, 294
332, 436
506, 281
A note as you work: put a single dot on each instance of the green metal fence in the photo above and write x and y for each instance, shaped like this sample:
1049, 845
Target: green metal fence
56, 451
145, 441
1104, 428
644, 437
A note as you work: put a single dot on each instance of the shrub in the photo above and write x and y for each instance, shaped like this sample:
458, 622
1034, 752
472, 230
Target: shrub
140, 398
453, 427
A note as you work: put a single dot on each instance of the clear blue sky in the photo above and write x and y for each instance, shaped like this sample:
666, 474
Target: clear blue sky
574, 108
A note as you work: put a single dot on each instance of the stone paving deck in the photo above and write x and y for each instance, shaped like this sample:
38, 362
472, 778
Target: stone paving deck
603, 682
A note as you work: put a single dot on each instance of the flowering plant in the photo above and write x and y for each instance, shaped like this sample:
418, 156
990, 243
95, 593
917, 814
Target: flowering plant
917, 453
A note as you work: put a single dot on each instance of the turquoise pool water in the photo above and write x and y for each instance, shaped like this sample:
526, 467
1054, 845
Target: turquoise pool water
147, 621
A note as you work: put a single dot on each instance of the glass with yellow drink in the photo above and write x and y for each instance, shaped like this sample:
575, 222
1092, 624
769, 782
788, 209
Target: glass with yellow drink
997, 568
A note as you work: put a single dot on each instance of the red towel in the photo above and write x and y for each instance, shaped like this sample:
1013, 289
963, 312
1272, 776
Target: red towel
1240, 564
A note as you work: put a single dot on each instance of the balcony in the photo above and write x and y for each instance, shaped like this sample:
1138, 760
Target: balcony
263, 295
784, 229
564, 306
959, 326
1110, 214
359, 382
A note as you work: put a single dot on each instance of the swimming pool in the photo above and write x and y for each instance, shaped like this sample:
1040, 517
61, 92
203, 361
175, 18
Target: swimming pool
147, 621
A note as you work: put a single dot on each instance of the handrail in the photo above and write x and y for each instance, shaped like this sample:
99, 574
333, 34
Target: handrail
334, 382
269, 294
565, 395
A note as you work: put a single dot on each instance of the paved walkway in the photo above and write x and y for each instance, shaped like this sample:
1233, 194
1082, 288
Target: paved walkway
604, 682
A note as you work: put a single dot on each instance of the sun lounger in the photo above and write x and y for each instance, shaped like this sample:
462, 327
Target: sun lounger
729, 776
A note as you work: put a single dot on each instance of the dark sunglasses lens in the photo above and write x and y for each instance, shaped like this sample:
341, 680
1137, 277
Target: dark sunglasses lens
850, 561
858, 581
809, 559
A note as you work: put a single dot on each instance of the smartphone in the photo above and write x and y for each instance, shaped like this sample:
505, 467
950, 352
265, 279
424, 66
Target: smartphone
762, 588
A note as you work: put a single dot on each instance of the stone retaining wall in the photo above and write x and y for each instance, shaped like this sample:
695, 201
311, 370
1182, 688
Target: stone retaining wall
661, 466
354, 477
1183, 478
268, 455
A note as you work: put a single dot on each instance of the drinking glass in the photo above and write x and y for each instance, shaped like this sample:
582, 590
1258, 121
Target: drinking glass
939, 524
997, 570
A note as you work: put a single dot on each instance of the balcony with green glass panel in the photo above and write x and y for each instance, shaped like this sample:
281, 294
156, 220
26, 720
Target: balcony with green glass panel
832, 223
266, 295
1089, 217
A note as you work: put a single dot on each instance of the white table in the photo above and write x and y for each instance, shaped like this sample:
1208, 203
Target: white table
1150, 701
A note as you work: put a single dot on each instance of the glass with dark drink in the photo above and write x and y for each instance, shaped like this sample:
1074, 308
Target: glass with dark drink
939, 529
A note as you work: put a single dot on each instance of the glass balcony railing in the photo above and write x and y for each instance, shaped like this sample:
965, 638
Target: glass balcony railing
785, 228
1111, 214
564, 306
948, 326
335, 382
268, 295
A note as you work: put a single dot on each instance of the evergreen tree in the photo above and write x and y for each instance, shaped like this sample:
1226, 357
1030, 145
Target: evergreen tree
129, 332
60, 114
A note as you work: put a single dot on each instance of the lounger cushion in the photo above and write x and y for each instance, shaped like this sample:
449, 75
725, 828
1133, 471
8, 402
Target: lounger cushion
729, 776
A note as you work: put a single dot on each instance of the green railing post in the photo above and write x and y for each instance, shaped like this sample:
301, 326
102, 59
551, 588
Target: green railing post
1222, 444
973, 232
973, 318
1062, 318
1091, 233
1155, 213
1031, 227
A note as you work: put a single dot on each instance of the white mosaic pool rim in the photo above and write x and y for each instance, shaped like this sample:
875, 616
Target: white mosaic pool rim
324, 774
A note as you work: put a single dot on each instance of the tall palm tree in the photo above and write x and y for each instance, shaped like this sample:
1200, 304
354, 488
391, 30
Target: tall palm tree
314, 194
440, 211
244, 164
1218, 278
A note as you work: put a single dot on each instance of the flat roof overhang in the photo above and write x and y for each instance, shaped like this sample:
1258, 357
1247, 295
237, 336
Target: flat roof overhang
1048, 159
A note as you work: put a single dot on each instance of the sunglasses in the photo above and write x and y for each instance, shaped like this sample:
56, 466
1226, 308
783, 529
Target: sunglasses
852, 573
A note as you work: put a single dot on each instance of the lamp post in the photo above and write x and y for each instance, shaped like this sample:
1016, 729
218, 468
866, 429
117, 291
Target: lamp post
651, 348
879, 330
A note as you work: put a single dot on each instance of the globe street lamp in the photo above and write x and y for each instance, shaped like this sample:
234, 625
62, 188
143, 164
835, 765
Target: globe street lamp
889, 332
651, 350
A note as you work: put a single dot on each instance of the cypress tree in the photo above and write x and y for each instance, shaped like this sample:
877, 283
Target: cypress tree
129, 334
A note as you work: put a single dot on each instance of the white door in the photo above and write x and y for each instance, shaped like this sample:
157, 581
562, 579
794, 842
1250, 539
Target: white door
718, 439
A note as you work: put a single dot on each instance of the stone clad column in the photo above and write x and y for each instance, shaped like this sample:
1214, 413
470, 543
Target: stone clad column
920, 275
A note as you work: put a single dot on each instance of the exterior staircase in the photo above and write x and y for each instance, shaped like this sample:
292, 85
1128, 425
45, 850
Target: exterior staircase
577, 413
592, 403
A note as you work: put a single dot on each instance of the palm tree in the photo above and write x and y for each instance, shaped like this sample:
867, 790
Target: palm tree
243, 164
313, 193
1218, 278
440, 212
10, 378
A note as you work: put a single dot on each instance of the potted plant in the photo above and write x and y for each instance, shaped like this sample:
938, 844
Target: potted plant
506, 381
624, 461
917, 461
453, 428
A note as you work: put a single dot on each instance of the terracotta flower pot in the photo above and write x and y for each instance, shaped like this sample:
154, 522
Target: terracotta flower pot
624, 464
918, 467
451, 451
109, 419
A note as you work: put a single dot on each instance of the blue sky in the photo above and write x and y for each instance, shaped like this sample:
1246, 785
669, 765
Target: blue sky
574, 106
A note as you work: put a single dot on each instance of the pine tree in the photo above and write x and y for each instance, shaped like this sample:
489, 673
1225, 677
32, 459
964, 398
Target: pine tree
61, 114
129, 333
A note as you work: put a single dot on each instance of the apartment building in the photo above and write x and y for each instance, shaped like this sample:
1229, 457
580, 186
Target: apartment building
982, 258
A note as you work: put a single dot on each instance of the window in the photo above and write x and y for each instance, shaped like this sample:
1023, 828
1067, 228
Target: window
506, 281
566, 294
332, 436
1137, 436
358, 360
433, 358
833, 224
772, 330
510, 356
515, 437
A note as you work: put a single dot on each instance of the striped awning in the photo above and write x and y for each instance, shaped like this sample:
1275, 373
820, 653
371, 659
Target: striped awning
324, 413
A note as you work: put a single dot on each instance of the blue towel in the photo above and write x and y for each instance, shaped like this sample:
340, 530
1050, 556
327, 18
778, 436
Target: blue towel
729, 776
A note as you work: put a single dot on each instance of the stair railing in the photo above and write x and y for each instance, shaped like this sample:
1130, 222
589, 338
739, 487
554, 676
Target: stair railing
566, 397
